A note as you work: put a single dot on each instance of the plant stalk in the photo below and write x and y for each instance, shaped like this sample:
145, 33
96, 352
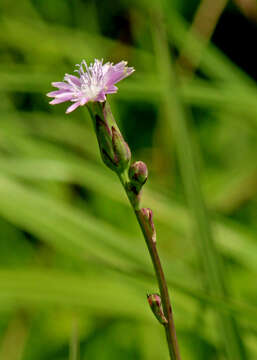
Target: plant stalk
116, 155
162, 283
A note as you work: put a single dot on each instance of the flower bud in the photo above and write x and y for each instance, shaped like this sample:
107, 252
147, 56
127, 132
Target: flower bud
104, 138
146, 216
121, 150
114, 150
138, 174
155, 303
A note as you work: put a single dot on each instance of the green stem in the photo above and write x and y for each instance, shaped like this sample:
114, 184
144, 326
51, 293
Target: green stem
103, 111
170, 326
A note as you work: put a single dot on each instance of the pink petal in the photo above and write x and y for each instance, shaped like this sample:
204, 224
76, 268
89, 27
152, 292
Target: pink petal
58, 93
83, 101
72, 79
100, 97
106, 67
60, 100
64, 94
61, 85
111, 89
113, 75
120, 66
72, 107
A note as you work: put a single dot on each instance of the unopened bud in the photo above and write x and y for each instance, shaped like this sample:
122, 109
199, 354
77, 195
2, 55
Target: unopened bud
146, 216
114, 150
138, 174
155, 303
121, 151
104, 137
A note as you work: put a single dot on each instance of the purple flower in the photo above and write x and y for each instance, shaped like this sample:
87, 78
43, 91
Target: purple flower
93, 83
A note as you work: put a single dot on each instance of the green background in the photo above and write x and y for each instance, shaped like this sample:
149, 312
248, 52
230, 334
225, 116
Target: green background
74, 270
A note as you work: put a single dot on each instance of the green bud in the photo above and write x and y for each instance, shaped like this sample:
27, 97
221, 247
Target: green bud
121, 150
155, 303
138, 174
104, 138
114, 150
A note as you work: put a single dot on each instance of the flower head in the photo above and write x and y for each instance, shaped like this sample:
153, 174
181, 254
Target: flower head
92, 83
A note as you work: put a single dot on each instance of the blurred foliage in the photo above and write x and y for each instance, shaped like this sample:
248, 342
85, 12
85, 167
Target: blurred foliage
74, 268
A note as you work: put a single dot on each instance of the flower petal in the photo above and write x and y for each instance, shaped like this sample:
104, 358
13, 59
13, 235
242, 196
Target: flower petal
60, 84
60, 100
64, 94
58, 93
106, 67
120, 66
83, 101
111, 89
115, 75
72, 107
72, 79
100, 97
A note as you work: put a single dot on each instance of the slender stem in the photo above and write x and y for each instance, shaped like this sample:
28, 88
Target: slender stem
170, 326
106, 143
74, 351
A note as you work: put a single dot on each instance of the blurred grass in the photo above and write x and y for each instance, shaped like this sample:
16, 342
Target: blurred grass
213, 277
70, 247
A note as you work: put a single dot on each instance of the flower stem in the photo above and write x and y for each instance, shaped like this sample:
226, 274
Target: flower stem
151, 245
116, 155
